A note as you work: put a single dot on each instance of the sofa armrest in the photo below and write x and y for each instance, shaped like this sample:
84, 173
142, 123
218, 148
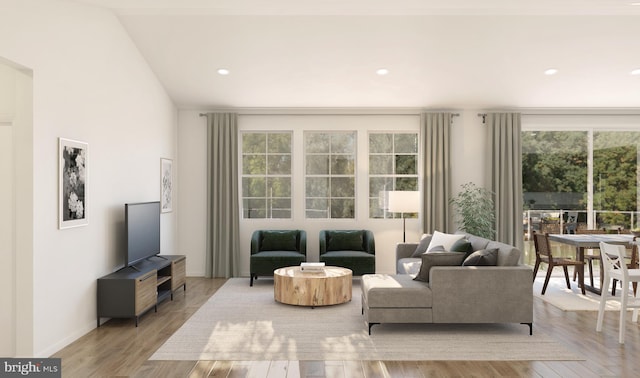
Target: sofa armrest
404, 250
255, 242
482, 294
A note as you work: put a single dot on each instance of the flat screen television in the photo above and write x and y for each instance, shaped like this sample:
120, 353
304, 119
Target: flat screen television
142, 228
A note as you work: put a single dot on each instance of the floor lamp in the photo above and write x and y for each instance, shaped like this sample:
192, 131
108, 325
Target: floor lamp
404, 202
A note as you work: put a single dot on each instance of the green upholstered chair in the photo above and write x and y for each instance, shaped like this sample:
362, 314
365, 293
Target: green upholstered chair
274, 249
353, 249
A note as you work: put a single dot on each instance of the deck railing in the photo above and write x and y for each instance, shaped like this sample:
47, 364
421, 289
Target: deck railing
554, 221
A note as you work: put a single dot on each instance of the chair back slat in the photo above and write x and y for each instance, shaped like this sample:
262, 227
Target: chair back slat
613, 260
542, 245
634, 255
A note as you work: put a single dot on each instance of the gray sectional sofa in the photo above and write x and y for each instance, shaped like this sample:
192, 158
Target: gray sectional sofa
453, 294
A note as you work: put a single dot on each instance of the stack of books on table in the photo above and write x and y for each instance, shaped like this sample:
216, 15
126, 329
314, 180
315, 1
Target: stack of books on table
312, 267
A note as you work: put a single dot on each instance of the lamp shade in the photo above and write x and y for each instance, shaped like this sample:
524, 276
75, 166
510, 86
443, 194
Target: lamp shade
404, 201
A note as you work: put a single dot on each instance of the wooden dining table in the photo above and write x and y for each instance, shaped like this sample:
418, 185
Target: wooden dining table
591, 241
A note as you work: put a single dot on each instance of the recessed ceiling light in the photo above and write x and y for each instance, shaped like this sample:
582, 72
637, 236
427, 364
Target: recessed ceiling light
223, 71
382, 71
636, 71
636, 4
550, 71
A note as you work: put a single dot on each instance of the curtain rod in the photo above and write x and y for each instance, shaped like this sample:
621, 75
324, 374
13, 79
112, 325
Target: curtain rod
571, 114
484, 115
327, 114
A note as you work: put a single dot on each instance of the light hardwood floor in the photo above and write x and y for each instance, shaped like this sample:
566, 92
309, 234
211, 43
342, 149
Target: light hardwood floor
118, 348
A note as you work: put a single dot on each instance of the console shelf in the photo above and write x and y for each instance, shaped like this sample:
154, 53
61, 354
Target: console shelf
132, 291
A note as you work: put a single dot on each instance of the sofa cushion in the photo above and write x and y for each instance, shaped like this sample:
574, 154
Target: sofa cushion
431, 259
422, 246
477, 242
445, 240
348, 254
278, 240
483, 257
508, 255
278, 257
395, 291
409, 265
345, 241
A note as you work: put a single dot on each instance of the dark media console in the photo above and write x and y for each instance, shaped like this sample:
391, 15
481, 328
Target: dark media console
132, 291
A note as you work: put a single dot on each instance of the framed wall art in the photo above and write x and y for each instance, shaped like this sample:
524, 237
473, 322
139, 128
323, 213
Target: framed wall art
166, 185
73, 163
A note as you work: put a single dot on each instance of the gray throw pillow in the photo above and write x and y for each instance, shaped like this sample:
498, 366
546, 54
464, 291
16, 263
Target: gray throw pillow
483, 257
422, 246
431, 259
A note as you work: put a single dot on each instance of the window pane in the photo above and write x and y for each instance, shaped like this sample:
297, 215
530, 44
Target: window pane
253, 187
375, 208
280, 208
406, 143
343, 142
254, 143
380, 164
342, 187
380, 143
317, 208
342, 165
330, 171
317, 165
615, 178
393, 165
266, 173
406, 165
317, 187
316, 143
254, 165
407, 183
279, 143
254, 208
379, 184
342, 208
554, 169
279, 164
279, 187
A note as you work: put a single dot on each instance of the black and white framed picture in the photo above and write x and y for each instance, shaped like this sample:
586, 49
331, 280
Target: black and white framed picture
166, 185
72, 204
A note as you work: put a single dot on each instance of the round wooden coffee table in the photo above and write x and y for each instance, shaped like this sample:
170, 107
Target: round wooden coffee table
330, 286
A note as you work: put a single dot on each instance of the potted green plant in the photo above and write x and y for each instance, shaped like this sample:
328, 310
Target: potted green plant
475, 213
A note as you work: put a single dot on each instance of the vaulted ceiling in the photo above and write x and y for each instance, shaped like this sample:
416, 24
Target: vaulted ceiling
444, 54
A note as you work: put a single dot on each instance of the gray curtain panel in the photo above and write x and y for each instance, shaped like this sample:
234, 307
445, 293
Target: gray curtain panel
223, 215
504, 167
436, 131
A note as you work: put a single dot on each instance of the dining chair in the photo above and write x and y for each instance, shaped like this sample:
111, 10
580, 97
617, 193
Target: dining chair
633, 264
545, 255
571, 225
589, 257
615, 268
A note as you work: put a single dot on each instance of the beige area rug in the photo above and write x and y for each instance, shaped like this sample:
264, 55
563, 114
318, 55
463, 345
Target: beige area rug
572, 299
245, 323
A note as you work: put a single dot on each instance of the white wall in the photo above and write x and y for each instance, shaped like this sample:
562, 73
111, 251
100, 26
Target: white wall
7, 245
192, 174
15, 124
467, 161
90, 83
